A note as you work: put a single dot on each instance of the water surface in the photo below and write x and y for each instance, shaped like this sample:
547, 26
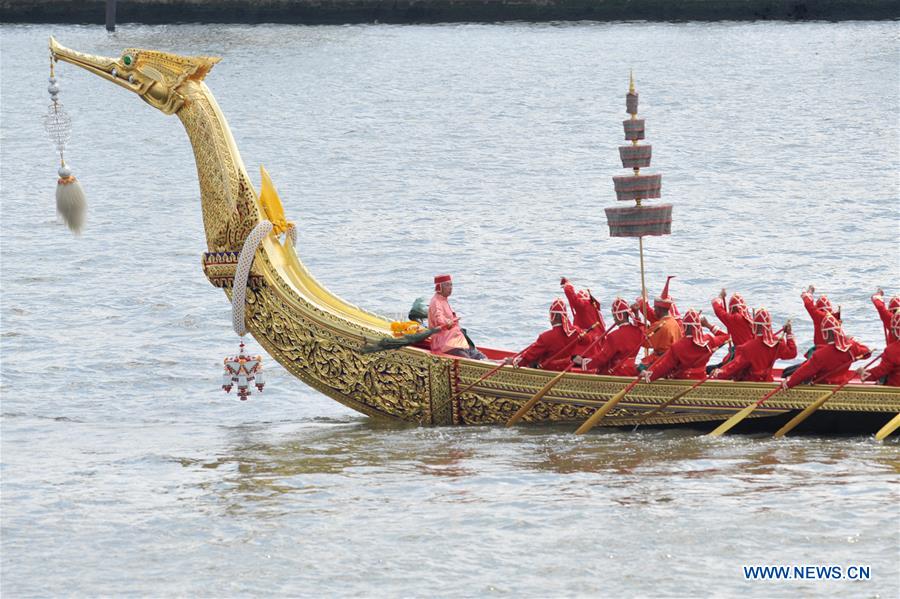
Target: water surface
402, 152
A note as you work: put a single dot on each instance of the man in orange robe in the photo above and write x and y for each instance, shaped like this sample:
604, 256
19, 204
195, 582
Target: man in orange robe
552, 349
687, 357
889, 367
754, 359
585, 309
830, 362
664, 329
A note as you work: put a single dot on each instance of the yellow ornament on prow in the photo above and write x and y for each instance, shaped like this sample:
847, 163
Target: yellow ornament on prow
271, 204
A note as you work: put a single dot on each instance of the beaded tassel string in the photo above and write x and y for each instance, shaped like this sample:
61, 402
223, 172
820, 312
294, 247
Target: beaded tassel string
70, 201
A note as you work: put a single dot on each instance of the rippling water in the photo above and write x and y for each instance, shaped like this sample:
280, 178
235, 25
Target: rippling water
485, 151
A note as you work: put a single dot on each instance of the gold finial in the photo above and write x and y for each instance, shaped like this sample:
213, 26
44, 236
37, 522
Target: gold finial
631, 81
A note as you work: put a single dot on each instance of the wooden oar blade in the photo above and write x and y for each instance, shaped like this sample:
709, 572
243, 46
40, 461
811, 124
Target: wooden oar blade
599, 414
666, 404
802, 415
531, 402
733, 421
888, 428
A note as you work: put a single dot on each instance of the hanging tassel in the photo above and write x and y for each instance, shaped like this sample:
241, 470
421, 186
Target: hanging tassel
70, 202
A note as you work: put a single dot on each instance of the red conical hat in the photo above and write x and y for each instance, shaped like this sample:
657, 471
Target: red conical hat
762, 318
665, 300
830, 323
559, 307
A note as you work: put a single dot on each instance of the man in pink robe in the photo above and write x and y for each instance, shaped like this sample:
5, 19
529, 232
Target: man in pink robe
450, 339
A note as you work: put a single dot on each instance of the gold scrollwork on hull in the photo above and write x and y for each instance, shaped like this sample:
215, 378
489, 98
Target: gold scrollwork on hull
386, 383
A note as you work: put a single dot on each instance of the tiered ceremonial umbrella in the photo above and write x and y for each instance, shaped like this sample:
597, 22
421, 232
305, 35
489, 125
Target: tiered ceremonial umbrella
638, 220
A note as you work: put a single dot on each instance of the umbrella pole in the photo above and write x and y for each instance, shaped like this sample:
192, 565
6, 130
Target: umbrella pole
643, 284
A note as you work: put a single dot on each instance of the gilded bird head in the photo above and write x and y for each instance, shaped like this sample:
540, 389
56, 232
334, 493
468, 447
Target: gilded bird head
165, 81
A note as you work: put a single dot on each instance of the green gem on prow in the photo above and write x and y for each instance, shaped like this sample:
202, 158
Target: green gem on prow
127, 60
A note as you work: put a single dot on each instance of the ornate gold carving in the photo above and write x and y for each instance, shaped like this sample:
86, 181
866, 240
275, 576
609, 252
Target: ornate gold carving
441, 391
392, 384
317, 337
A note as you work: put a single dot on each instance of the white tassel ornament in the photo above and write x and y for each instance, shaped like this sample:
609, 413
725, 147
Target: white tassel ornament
70, 202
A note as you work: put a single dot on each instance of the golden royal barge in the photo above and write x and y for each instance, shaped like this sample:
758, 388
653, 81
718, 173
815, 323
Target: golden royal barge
318, 337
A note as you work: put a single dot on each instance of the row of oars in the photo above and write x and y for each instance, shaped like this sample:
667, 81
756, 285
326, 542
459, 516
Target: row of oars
597, 416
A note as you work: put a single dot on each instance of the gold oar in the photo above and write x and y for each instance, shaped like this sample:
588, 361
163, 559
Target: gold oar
736, 419
678, 396
807, 412
540, 394
605, 408
669, 402
888, 428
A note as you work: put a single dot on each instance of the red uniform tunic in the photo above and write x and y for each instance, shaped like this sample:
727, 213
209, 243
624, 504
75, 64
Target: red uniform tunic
817, 314
546, 346
687, 360
585, 312
739, 326
889, 366
753, 360
885, 315
829, 362
617, 353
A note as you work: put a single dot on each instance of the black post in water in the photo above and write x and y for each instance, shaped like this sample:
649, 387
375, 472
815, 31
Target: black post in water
110, 15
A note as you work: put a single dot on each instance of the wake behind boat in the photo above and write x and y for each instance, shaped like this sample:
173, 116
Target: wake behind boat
320, 338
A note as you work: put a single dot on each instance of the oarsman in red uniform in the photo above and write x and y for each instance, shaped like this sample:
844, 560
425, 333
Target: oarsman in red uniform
889, 367
617, 353
549, 343
886, 313
585, 309
450, 339
664, 329
754, 359
830, 361
687, 358
737, 318
818, 310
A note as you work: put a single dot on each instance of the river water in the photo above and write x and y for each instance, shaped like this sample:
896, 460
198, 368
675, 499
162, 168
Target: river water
402, 152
